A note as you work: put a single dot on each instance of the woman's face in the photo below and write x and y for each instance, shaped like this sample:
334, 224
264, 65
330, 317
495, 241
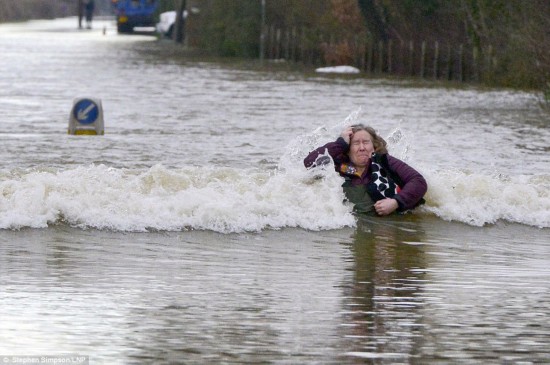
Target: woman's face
361, 148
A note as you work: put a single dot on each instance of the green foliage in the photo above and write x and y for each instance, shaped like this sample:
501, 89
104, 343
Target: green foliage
229, 28
423, 8
515, 30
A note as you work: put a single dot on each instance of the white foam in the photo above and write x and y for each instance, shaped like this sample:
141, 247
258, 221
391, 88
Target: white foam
479, 198
225, 199
218, 199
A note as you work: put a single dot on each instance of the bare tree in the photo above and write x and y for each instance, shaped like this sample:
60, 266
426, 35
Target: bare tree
374, 19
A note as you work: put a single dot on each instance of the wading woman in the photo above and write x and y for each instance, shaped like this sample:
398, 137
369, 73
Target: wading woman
375, 182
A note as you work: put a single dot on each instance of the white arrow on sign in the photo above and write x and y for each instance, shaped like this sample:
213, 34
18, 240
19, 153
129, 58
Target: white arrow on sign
83, 113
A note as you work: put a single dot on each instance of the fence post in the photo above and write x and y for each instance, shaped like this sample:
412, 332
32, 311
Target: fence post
293, 45
370, 55
331, 48
262, 33
278, 44
286, 46
356, 52
363, 55
411, 58
490, 62
436, 59
271, 42
461, 63
303, 46
449, 63
423, 59
380, 65
390, 57
475, 63
402, 66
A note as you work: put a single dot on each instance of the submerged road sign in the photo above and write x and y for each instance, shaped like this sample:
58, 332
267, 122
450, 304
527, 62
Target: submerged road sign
86, 117
86, 111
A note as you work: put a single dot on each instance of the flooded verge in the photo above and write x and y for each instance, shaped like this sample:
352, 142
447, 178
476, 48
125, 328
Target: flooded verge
191, 232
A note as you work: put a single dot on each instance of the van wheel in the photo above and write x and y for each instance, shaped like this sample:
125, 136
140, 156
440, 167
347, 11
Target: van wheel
124, 28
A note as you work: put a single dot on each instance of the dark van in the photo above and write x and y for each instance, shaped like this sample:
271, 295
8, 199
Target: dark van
134, 13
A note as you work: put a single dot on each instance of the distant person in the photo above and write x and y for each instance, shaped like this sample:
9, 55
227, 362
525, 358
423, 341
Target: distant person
89, 6
80, 9
375, 182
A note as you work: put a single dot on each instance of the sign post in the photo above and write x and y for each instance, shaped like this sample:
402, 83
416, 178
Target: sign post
86, 117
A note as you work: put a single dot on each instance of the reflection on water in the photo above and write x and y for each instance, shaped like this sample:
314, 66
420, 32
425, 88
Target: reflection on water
400, 290
382, 301
423, 291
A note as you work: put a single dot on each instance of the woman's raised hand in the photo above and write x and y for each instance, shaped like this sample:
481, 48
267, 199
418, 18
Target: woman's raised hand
346, 134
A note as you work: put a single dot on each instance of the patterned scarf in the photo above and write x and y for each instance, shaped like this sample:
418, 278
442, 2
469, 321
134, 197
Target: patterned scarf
381, 184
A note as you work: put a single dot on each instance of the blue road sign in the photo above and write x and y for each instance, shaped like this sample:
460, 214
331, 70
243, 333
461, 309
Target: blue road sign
85, 111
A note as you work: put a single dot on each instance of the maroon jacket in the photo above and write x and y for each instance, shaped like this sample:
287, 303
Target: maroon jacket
413, 185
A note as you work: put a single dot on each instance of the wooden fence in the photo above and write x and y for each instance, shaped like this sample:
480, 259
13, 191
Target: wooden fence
429, 60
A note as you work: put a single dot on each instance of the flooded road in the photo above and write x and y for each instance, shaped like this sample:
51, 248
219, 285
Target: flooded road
191, 233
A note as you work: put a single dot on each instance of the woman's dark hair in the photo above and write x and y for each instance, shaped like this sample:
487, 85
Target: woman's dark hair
378, 142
